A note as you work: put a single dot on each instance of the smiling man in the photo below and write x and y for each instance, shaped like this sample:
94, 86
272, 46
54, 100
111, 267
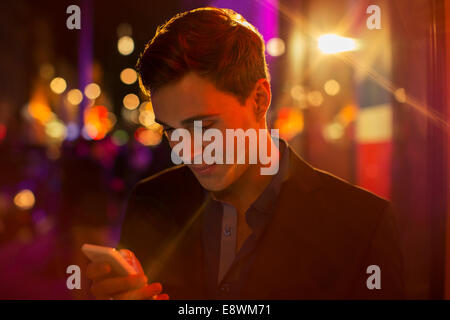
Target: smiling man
224, 230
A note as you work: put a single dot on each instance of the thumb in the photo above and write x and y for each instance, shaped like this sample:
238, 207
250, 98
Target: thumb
132, 260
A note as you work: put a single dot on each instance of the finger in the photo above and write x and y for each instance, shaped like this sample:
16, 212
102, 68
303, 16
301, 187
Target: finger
103, 298
163, 296
132, 260
144, 293
96, 270
152, 289
137, 294
116, 285
129, 295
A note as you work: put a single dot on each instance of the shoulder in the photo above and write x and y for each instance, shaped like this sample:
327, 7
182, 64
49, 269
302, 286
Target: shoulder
334, 205
344, 192
361, 228
330, 210
352, 207
329, 190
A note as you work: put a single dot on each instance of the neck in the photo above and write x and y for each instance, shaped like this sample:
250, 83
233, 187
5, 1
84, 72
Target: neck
247, 188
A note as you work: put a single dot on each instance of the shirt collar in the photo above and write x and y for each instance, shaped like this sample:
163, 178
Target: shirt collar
265, 204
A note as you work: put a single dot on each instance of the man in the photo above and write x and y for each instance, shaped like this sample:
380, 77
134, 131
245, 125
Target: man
224, 230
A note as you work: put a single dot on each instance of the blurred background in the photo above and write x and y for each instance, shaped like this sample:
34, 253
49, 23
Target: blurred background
76, 133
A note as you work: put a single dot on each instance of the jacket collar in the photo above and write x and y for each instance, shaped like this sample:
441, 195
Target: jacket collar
302, 174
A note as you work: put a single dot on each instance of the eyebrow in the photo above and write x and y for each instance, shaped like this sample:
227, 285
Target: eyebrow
190, 119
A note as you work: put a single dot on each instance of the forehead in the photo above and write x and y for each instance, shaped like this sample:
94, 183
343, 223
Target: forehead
191, 96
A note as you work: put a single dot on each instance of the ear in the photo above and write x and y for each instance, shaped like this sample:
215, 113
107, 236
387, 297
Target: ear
261, 97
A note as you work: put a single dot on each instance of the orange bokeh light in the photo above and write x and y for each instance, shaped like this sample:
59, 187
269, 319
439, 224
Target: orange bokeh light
97, 122
289, 122
38, 107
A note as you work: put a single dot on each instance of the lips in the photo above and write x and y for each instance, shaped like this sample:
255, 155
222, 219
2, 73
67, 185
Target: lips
203, 169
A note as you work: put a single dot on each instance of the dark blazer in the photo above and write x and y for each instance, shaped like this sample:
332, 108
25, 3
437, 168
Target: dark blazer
323, 236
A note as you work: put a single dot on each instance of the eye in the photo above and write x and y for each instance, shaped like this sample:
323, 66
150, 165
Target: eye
208, 124
168, 130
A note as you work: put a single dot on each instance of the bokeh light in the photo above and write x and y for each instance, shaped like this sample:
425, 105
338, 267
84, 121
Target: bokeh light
333, 131
74, 96
146, 114
73, 132
47, 71
3, 131
400, 95
315, 98
125, 45
146, 105
128, 76
87, 131
130, 115
56, 129
58, 85
97, 122
112, 118
148, 136
298, 93
124, 29
92, 91
38, 107
131, 101
332, 87
275, 47
146, 118
347, 114
290, 122
24, 199
40, 112
120, 137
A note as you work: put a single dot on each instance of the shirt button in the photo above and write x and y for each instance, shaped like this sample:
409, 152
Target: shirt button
227, 231
225, 288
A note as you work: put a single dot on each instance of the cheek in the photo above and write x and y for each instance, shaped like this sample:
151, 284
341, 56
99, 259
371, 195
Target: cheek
183, 146
237, 120
244, 117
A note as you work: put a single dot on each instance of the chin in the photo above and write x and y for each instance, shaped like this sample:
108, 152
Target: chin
223, 177
214, 183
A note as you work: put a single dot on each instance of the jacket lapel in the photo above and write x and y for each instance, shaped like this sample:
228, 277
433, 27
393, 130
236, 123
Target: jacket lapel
285, 239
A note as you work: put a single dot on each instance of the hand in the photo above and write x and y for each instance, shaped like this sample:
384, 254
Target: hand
106, 285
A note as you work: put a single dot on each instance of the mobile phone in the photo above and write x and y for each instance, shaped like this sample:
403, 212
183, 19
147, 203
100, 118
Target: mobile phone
109, 255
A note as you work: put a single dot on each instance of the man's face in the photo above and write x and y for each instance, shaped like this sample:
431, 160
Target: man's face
194, 98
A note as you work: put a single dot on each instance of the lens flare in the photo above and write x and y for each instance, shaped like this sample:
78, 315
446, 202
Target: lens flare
332, 43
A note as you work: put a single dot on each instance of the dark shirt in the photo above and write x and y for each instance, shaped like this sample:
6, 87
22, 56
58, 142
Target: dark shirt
226, 269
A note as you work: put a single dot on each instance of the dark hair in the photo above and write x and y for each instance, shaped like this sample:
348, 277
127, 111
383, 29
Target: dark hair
217, 44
